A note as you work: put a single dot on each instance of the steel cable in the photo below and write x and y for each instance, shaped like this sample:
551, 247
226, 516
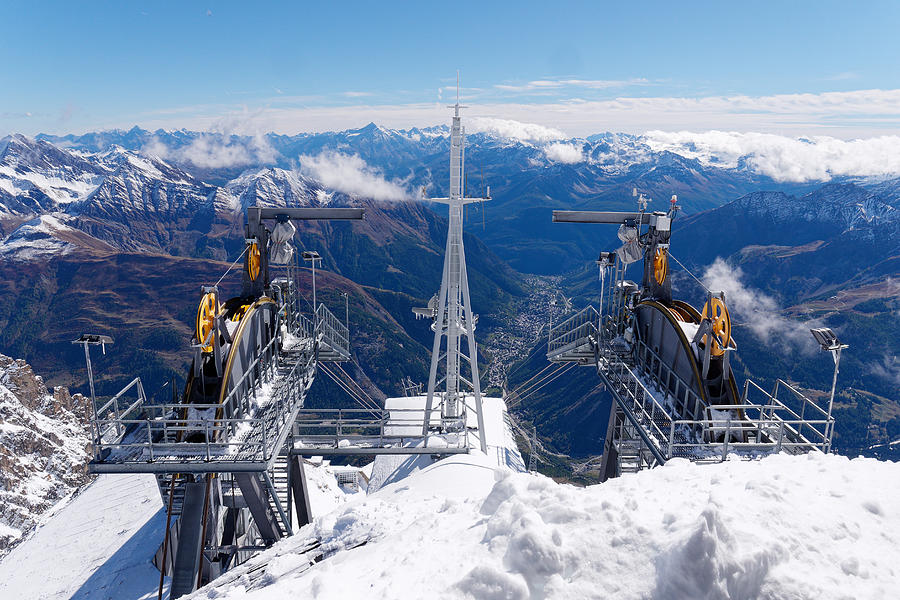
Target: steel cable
372, 410
688, 271
554, 376
529, 380
232, 265
526, 390
354, 382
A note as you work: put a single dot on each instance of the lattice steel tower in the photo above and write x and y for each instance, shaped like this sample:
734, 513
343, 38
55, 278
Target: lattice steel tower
453, 318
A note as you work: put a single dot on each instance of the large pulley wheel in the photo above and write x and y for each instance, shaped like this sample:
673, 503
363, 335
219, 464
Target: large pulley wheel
660, 266
206, 319
716, 311
253, 261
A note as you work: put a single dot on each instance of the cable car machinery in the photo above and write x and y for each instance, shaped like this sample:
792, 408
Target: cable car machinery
223, 455
667, 364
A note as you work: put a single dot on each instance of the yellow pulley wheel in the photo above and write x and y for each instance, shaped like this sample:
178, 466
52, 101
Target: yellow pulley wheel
717, 312
240, 312
253, 261
206, 319
660, 266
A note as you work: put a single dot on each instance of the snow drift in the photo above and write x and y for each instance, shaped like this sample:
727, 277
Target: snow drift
815, 526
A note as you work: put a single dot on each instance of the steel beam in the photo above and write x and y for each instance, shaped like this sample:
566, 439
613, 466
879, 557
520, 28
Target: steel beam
255, 496
190, 542
306, 214
596, 216
350, 451
299, 490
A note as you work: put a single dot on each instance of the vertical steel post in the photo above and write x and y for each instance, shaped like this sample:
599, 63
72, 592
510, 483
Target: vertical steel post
836, 354
90, 370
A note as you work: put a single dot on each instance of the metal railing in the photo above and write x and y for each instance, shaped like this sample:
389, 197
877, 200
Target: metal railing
679, 396
574, 333
159, 434
749, 429
247, 426
112, 427
332, 332
365, 428
643, 410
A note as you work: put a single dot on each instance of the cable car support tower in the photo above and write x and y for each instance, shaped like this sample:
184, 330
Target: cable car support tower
451, 311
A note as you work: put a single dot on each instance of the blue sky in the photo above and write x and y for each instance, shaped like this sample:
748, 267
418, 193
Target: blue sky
792, 68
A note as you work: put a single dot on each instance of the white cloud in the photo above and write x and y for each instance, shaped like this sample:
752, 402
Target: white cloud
554, 84
564, 153
527, 132
783, 158
350, 174
216, 149
209, 151
842, 115
755, 309
888, 368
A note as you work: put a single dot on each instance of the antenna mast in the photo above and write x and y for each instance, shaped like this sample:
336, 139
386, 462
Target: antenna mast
453, 318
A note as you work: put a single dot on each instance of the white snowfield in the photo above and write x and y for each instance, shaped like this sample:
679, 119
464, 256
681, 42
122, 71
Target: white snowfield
816, 526
100, 544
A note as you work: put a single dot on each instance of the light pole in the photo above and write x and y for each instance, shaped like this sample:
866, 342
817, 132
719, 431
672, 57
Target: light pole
312, 256
87, 340
346, 309
828, 341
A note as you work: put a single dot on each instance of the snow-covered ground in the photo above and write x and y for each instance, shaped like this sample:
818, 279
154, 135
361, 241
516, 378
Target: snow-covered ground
475, 526
815, 526
99, 545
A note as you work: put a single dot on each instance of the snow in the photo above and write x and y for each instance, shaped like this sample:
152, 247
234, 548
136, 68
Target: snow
325, 495
814, 526
38, 239
61, 190
43, 449
407, 413
103, 540
97, 546
406, 416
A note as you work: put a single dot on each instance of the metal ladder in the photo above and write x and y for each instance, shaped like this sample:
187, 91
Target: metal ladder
632, 396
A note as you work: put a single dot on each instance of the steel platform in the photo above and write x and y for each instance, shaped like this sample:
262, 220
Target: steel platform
646, 422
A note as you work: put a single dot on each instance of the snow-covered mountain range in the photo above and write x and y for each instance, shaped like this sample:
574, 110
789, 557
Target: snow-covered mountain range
180, 195
124, 175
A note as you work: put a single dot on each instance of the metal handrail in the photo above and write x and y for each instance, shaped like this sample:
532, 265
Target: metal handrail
262, 450
348, 425
98, 431
690, 396
332, 331
574, 331
651, 413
